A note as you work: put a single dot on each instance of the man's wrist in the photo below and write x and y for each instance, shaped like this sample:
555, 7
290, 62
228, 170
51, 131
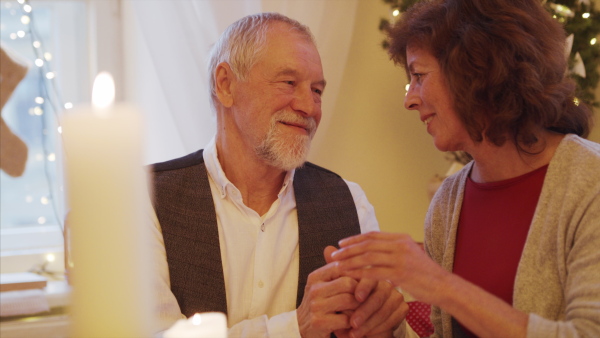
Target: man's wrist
284, 325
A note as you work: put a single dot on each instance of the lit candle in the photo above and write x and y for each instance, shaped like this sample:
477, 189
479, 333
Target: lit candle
106, 190
200, 325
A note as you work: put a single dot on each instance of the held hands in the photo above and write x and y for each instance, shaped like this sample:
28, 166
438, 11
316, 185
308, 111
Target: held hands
326, 302
346, 307
392, 257
381, 310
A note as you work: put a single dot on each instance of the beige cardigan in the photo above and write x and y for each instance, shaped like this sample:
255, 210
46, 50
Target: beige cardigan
558, 277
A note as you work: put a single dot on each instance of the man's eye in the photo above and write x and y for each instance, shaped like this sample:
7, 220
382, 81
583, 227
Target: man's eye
318, 91
291, 83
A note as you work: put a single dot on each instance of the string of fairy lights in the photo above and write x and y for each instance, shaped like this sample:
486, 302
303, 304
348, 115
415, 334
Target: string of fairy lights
46, 104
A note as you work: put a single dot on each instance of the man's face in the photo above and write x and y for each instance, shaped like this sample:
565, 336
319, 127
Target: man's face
278, 108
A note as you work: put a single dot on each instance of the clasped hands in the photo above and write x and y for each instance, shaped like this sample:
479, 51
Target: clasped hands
348, 307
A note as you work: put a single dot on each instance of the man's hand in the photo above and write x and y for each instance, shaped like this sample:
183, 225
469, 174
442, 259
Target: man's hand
381, 309
327, 297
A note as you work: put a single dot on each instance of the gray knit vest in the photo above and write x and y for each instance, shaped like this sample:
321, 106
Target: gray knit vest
185, 209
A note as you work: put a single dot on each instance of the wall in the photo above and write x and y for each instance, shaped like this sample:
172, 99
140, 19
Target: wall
373, 140
595, 134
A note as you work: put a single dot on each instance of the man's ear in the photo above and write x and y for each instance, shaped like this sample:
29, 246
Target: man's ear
224, 79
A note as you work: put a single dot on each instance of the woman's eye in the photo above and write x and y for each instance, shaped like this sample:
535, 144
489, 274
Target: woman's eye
417, 76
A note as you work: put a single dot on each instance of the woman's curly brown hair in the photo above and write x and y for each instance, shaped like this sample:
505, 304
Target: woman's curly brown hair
504, 63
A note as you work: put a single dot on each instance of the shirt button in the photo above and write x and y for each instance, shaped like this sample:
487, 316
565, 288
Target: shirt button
262, 227
260, 284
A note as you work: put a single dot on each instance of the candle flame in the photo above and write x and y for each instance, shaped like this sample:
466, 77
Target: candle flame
103, 92
196, 319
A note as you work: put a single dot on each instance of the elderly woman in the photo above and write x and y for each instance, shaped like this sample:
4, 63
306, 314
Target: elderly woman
512, 240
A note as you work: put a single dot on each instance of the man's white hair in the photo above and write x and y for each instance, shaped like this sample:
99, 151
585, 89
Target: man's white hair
241, 44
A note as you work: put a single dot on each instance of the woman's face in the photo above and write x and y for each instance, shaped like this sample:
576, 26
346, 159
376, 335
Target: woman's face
429, 94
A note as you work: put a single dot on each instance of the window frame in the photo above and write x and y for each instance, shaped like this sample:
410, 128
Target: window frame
27, 247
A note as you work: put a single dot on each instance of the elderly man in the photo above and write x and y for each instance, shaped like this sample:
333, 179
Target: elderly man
244, 223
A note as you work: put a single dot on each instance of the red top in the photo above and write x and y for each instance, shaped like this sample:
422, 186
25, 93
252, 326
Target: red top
492, 229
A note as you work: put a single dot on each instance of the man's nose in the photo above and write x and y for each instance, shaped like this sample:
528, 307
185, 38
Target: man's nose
305, 101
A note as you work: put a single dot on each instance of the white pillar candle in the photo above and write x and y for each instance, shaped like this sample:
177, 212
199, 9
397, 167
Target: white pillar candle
106, 184
200, 325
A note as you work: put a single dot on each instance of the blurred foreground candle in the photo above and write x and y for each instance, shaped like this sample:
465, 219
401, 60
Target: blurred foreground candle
200, 325
106, 189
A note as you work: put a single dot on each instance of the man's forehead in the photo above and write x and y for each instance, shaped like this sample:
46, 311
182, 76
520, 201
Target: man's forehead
286, 51
283, 71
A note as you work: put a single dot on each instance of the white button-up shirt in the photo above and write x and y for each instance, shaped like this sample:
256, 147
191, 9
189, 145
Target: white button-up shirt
259, 255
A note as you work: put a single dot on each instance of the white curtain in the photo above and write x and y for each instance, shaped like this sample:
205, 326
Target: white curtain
166, 47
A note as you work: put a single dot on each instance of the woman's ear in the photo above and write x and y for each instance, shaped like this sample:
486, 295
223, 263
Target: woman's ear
224, 79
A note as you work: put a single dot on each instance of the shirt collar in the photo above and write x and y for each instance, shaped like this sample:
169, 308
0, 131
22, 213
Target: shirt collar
216, 173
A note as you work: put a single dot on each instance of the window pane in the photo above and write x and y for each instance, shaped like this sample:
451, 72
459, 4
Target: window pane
50, 37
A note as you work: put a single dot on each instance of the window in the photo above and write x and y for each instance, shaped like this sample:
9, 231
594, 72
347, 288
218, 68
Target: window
51, 37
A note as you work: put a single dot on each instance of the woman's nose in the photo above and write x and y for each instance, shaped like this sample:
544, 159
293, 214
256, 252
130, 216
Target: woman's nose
412, 100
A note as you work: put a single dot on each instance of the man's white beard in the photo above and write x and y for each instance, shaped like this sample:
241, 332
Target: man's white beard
283, 150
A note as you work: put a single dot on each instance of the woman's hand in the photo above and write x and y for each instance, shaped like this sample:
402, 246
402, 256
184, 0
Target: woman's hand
400, 260
392, 257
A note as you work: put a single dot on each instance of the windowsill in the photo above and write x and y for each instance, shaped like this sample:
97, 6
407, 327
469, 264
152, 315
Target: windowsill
58, 293
32, 248
35, 260
54, 323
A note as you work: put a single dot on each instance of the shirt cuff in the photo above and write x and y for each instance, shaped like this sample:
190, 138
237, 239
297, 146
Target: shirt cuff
284, 325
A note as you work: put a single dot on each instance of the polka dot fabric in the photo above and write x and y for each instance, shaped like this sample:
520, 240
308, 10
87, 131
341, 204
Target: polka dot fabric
418, 318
